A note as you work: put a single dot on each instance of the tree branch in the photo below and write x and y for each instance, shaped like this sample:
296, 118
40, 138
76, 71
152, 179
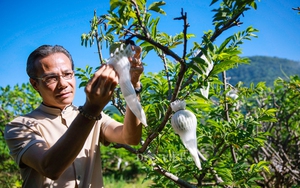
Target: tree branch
185, 26
172, 177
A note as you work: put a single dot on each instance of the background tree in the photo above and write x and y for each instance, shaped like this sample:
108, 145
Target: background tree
281, 149
20, 99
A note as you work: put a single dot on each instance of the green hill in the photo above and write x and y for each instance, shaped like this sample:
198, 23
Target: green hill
263, 69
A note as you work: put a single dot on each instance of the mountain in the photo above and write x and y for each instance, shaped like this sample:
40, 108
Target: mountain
263, 69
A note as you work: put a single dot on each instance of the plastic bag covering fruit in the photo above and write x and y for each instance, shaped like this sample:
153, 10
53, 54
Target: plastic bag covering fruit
184, 123
119, 60
205, 89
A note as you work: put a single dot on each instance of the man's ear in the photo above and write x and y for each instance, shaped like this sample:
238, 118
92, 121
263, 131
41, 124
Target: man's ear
34, 84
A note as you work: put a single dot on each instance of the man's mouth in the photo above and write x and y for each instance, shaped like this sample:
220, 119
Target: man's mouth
65, 94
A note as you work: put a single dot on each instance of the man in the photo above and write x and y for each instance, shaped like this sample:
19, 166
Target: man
57, 144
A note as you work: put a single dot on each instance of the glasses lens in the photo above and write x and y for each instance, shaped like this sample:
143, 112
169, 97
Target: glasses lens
50, 79
68, 75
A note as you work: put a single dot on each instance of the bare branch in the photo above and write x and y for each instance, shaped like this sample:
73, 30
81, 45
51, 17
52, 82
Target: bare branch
173, 177
163, 57
185, 26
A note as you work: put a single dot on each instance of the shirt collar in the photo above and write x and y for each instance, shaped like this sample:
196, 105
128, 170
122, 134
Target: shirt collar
56, 111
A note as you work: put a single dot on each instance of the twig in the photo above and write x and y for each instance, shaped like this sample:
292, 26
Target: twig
163, 57
227, 118
165, 49
174, 178
98, 41
231, 23
185, 26
298, 8
118, 104
138, 15
127, 147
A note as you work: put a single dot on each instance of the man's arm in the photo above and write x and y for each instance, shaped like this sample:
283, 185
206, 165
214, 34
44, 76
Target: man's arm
131, 130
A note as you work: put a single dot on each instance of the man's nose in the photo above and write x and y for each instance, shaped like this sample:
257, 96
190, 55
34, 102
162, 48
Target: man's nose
62, 83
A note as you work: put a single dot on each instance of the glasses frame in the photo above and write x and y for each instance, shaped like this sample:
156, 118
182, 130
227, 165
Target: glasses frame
57, 77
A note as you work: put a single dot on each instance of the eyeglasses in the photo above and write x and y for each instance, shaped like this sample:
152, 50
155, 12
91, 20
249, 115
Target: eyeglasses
51, 79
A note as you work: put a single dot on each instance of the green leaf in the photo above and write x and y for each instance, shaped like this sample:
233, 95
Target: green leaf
253, 5
82, 84
195, 63
156, 7
271, 111
115, 3
154, 23
213, 2
224, 44
267, 118
223, 66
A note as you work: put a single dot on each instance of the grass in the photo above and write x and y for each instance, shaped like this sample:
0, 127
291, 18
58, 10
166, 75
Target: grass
111, 182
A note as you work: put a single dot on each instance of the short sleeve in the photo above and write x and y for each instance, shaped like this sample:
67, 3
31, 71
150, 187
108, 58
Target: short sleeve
19, 135
105, 121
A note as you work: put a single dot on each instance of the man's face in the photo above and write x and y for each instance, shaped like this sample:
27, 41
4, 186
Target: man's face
58, 93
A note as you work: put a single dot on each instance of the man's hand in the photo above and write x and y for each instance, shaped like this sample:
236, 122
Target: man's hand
100, 88
136, 66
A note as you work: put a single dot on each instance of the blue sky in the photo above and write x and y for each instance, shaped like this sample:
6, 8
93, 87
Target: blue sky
29, 24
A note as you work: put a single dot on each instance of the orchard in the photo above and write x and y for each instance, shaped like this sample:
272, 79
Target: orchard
245, 136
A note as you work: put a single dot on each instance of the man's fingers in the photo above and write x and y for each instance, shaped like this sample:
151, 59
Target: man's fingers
138, 51
135, 62
108, 80
94, 79
104, 81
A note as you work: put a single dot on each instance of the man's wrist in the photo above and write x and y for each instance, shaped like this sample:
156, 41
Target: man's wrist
138, 88
88, 115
